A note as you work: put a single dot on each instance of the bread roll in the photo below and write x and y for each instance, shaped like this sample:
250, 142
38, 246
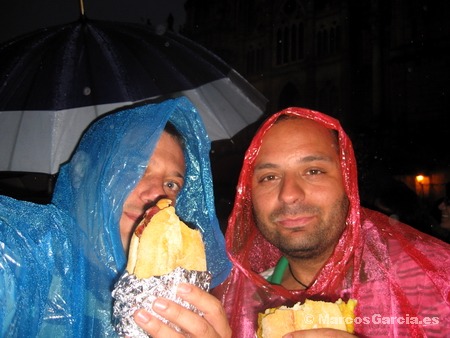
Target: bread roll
164, 244
276, 322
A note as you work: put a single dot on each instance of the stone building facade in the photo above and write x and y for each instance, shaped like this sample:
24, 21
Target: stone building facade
380, 66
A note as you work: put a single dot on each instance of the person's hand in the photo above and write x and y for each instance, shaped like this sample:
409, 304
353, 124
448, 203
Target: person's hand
214, 322
319, 333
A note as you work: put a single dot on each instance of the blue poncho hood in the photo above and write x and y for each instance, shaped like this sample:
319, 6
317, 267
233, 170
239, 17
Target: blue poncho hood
60, 261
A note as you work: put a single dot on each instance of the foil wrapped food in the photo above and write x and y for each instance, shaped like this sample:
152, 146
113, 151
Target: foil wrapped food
131, 293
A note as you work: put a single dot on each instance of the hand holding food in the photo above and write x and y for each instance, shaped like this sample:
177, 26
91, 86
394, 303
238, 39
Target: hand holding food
164, 252
213, 323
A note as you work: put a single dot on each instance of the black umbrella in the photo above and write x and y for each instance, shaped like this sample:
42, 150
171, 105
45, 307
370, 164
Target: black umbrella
55, 81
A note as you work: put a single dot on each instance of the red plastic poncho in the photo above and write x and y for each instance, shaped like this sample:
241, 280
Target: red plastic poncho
399, 276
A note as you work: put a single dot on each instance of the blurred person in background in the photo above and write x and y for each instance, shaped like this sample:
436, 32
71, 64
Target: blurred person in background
442, 230
395, 199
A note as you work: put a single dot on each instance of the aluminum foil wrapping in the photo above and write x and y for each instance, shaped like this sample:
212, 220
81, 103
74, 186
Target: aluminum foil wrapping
131, 293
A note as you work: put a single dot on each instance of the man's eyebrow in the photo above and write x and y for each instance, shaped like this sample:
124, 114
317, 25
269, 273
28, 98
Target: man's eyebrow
313, 158
179, 174
266, 165
176, 173
306, 159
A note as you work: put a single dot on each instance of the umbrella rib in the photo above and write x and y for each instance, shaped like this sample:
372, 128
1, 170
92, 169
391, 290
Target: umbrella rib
16, 138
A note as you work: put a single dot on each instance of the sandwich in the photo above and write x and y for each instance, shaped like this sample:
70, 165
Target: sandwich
162, 242
276, 322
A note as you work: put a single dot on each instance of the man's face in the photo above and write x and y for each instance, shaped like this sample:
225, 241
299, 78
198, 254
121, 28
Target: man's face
164, 177
298, 194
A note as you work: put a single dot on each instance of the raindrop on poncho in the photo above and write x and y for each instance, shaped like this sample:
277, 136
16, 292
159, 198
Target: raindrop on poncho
59, 262
393, 271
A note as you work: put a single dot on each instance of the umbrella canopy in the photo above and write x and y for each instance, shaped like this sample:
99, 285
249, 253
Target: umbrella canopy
56, 81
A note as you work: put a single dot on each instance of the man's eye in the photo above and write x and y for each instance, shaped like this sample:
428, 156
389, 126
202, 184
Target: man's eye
267, 178
315, 172
173, 186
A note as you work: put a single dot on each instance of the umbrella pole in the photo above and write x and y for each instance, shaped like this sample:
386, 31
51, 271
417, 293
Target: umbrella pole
82, 7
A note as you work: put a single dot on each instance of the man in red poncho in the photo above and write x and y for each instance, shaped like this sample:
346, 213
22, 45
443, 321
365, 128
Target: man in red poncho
298, 231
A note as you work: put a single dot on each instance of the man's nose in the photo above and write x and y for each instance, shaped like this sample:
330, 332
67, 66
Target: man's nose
152, 190
291, 189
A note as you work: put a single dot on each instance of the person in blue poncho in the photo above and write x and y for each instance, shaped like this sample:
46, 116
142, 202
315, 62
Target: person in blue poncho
59, 262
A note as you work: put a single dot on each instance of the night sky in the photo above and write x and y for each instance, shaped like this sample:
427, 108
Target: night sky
21, 16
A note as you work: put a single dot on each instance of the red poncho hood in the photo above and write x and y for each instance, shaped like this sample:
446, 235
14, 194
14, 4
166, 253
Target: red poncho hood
390, 269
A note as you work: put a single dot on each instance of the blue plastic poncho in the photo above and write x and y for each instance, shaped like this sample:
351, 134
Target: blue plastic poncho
59, 262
